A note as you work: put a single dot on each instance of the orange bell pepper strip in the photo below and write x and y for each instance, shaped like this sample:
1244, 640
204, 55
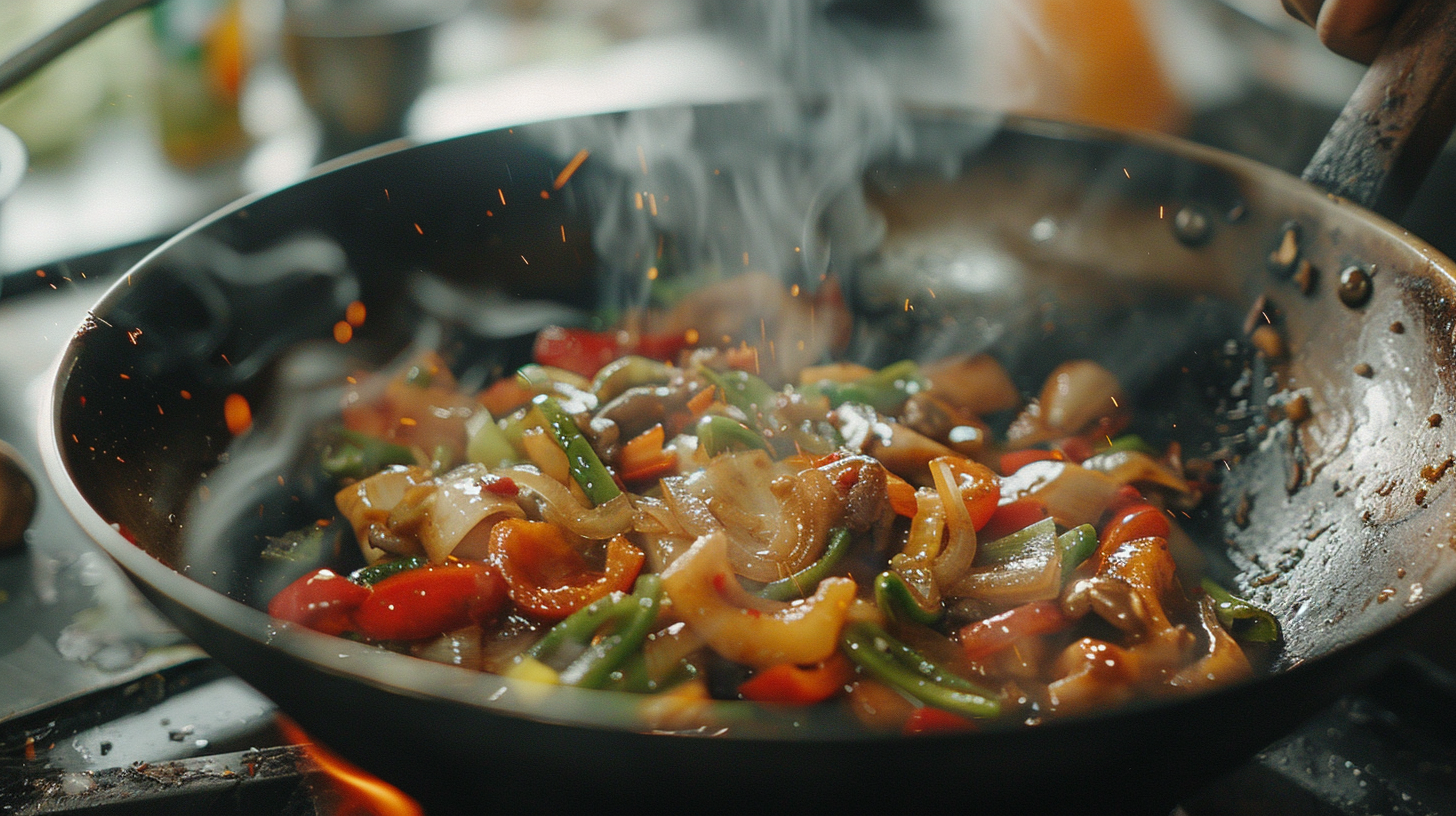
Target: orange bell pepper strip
799, 685
901, 494
1139, 520
547, 577
642, 457
979, 486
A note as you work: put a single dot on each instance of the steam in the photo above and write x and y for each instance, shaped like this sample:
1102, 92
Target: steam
774, 187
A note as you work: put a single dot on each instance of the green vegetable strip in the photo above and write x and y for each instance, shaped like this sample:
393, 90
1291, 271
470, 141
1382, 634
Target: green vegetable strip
577, 629
741, 389
636, 614
719, 434
374, 573
1130, 442
896, 600
1077, 545
586, 468
357, 455
900, 666
801, 584
1014, 544
1244, 620
884, 390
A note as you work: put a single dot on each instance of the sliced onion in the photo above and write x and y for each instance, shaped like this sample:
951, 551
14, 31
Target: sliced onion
927, 527
1072, 494
561, 508
1076, 393
960, 534
688, 507
462, 514
367, 505
1128, 467
546, 454
777, 521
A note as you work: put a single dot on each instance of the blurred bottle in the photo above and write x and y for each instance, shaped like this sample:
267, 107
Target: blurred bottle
1097, 63
204, 61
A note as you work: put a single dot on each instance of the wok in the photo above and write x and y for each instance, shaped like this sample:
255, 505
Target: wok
1040, 240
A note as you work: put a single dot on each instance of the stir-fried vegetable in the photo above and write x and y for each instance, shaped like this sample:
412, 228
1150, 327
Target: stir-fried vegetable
643, 522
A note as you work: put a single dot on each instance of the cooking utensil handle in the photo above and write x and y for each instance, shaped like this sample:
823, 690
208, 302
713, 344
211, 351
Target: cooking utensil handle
1400, 116
38, 53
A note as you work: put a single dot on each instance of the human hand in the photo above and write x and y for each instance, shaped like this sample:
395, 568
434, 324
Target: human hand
1350, 28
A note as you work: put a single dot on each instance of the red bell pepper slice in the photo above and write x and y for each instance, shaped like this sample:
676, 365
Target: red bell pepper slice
1140, 520
585, 352
930, 720
1013, 516
979, 486
431, 600
986, 637
799, 685
322, 600
547, 577
578, 350
1016, 460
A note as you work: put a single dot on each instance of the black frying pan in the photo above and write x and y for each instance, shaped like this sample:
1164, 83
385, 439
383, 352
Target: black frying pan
1146, 253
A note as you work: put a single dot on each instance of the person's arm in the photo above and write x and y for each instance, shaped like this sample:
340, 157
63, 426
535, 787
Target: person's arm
1350, 28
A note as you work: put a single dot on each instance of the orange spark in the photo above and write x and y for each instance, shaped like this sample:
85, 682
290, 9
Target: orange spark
354, 313
408, 422
571, 167
794, 290
652, 203
690, 337
186, 394
639, 201
417, 229
237, 413
502, 194
343, 332
652, 273
133, 335
563, 233
545, 194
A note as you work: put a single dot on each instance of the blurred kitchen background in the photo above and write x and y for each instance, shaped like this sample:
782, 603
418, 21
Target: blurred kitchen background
176, 110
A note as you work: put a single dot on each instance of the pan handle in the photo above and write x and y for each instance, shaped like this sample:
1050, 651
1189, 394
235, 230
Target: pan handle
39, 52
1400, 116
